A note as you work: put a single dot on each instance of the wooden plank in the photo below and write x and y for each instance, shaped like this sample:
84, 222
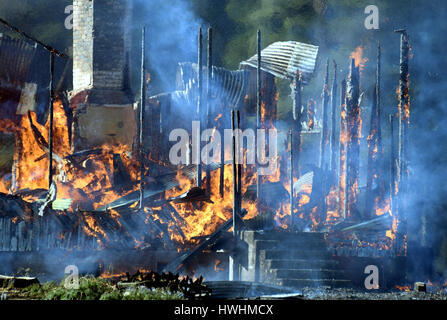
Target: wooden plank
19, 235
30, 236
1, 234
6, 235
36, 232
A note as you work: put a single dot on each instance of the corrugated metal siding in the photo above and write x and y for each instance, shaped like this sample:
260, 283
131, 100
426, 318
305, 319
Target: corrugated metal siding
15, 59
229, 86
283, 59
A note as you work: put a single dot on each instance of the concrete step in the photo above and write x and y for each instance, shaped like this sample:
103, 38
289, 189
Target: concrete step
275, 244
295, 254
283, 236
301, 264
305, 274
301, 283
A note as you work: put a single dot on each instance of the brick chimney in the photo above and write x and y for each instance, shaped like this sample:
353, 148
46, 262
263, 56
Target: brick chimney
101, 98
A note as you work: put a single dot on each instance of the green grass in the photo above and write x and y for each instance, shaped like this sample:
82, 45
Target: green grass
91, 288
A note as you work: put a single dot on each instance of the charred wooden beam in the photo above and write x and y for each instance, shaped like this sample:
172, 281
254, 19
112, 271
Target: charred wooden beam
324, 142
297, 118
258, 108
404, 122
142, 112
393, 166
353, 141
384, 221
375, 149
292, 202
239, 163
51, 115
237, 197
43, 45
208, 98
222, 166
163, 183
235, 152
199, 106
334, 143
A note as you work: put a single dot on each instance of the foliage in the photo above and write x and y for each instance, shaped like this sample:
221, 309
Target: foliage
91, 288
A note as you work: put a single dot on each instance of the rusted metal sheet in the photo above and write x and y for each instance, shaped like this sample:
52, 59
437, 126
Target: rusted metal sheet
284, 58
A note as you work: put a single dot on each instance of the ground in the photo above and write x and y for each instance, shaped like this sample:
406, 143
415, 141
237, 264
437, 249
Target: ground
352, 294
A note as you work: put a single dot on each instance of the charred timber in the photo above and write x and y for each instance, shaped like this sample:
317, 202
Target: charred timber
208, 97
353, 142
342, 148
324, 142
292, 202
199, 106
297, 118
375, 148
51, 115
222, 167
239, 164
404, 122
334, 144
142, 112
43, 45
392, 166
258, 107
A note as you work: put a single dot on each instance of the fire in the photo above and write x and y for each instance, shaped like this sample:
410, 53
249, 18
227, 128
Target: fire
216, 266
204, 218
403, 288
357, 55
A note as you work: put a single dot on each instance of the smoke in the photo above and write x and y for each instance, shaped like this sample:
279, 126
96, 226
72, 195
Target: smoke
172, 29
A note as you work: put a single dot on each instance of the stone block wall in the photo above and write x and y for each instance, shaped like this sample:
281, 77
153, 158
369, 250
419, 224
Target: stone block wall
82, 44
101, 44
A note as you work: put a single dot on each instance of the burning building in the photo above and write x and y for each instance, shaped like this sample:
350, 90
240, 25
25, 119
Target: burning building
112, 197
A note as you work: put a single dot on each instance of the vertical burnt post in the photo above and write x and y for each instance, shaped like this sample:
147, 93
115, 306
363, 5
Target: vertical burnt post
236, 182
353, 143
392, 166
292, 202
222, 168
334, 144
324, 142
342, 148
50, 130
378, 97
295, 134
372, 168
375, 149
199, 108
325, 132
142, 112
297, 118
240, 159
258, 111
208, 98
404, 122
